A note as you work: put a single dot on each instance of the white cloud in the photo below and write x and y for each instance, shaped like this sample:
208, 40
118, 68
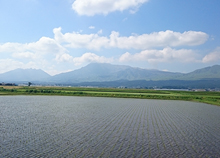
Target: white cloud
158, 39
125, 19
64, 57
141, 42
33, 50
92, 7
85, 58
46, 45
99, 32
27, 55
91, 27
55, 51
38, 54
77, 40
213, 56
164, 55
11, 47
91, 57
10, 64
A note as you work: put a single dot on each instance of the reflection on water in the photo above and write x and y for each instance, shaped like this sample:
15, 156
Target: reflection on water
57, 126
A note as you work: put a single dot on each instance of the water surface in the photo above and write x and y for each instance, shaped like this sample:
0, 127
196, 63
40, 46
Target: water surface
60, 126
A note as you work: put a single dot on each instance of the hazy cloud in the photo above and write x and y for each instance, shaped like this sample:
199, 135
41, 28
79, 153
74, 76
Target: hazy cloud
213, 56
63, 57
91, 27
12, 47
11, 64
92, 7
85, 58
22, 55
91, 57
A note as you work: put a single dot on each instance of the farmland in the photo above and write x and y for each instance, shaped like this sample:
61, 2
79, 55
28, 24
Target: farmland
205, 97
73, 126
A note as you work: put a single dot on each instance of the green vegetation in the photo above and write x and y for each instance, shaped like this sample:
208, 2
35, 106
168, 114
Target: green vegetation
205, 97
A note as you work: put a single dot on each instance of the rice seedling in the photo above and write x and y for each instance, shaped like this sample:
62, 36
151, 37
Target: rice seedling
126, 133
104, 130
132, 131
195, 126
125, 123
165, 121
148, 131
154, 131
110, 142
182, 132
158, 127
138, 128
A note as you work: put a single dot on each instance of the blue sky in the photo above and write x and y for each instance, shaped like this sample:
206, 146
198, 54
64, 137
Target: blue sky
63, 35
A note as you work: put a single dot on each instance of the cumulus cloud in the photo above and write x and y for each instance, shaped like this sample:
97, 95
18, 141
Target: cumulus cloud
85, 58
11, 47
11, 64
145, 41
154, 47
92, 7
213, 56
46, 45
158, 39
77, 40
39, 54
26, 55
91, 57
165, 55
33, 50
63, 57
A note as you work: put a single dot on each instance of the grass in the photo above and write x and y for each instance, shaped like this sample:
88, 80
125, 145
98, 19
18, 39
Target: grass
204, 97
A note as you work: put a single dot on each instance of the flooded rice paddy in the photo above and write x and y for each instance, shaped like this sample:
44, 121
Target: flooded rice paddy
58, 126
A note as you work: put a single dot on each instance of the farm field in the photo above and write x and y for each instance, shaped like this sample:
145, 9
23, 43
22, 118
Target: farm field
73, 126
205, 97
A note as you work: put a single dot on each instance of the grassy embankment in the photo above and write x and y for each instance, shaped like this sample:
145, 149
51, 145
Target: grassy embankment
205, 97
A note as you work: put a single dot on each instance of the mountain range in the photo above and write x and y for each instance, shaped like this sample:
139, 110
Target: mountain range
108, 73
23, 75
100, 72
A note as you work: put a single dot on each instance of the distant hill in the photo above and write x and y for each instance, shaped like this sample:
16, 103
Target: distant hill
20, 75
167, 84
212, 72
106, 75
99, 72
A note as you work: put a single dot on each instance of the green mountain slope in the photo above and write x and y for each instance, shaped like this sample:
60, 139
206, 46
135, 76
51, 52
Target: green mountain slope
204, 73
99, 72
